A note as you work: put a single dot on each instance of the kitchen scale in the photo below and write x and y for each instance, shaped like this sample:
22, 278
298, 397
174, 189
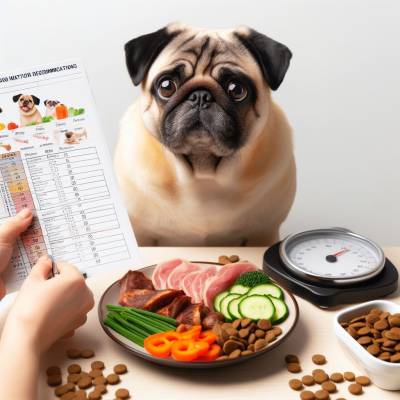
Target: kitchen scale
331, 266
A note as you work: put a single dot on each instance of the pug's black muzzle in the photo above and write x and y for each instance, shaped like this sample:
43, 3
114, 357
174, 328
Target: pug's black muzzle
201, 113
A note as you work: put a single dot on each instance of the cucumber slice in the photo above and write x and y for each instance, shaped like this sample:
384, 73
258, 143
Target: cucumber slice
281, 310
239, 289
217, 300
267, 289
257, 307
224, 305
233, 307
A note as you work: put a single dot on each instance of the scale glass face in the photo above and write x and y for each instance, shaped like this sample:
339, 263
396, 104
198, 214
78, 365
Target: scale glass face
334, 256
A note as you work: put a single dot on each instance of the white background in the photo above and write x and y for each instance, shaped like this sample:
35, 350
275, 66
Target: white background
341, 93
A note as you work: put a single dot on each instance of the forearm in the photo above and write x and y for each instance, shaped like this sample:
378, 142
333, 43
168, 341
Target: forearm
19, 365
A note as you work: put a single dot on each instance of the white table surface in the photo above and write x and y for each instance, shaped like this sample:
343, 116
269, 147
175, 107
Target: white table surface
262, 378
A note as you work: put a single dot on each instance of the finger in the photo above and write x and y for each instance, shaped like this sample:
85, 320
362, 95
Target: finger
14, 226
9, 231
68, 335
65, 268
2, 288
42, 269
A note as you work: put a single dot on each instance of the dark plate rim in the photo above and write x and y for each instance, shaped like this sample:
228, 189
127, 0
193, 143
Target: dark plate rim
169, 362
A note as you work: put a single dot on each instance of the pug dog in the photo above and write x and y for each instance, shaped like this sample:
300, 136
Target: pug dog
27, 108
205, 156
50, 107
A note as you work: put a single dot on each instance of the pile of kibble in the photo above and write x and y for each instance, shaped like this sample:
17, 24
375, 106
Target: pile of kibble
81, 385
328, 383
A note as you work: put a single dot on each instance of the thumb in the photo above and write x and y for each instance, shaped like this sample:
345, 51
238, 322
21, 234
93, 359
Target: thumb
14, 226
42, 269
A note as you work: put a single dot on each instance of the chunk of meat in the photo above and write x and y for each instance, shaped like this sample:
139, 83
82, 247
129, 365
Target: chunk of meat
134, 280
175, 307
193, 314
223, 279
176, 276
195, 290
162, 271
148, 299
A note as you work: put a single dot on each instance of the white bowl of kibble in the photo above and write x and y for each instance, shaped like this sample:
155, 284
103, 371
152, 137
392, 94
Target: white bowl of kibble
372, 339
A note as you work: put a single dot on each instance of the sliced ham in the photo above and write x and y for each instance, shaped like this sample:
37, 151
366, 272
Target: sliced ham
198, 282
162, 272
223, 279
188, 280
175, 278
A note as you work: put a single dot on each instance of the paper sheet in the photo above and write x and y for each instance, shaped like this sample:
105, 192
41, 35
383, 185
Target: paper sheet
54, 160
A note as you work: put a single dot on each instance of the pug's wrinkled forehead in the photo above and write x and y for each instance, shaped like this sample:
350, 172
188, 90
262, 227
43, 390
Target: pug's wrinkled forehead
200, 52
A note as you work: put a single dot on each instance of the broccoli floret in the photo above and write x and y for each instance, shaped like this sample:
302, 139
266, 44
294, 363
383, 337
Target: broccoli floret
253, 278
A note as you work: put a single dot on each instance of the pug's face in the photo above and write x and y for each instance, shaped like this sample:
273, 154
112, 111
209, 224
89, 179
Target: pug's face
205, 93
27, 103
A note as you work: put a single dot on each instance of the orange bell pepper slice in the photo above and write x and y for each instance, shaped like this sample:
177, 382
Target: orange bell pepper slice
172, 336
212, 354
158, 345
193, 333
207, 336
202, 347
184, 350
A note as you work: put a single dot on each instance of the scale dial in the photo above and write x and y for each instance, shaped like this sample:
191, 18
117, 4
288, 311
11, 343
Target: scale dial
333, 256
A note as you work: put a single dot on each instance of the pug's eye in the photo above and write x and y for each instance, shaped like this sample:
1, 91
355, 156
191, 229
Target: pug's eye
236, 91
166, 88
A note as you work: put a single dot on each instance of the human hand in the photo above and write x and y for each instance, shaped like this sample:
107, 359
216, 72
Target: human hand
45, 309
9, 232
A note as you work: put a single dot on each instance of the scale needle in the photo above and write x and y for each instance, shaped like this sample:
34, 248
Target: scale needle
333, 257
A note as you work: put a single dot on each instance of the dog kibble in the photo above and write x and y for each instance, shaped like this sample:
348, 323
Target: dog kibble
101, 388
68, 396
264, 324
349, 376
120, 369
54, 380
87, 353
355, 388
84, 383
308, 380
260, 344
80, 395
74, 378
293, 368
53, 370
74, 369
336, 377
296, 384
224, 260
113, 379
321, 377
97, 365
94, 395
330, 387
94, 373
322, 395
68, 387
307, 395
122, 394
234, 258
318, 359
291, 358
99, 380
73, 353
317, 371
363, 380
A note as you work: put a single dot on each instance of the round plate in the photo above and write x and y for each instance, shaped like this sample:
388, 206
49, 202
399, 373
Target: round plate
110, 296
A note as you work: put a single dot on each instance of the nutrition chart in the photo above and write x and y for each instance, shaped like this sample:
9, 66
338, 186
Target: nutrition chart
54, 160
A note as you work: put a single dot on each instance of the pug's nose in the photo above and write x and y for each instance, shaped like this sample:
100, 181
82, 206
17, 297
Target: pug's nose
201, 98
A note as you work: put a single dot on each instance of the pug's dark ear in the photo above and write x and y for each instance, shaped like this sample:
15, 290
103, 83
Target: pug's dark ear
272, 56
36, 100
45, 102
143, 50
16, 97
